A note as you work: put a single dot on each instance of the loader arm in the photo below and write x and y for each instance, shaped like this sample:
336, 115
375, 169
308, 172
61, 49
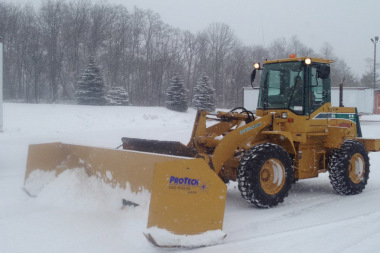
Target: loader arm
225, 150
204, 137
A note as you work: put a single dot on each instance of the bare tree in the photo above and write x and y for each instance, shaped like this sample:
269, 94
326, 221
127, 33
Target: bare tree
327, 51
239, 66
34, 56
189, 47
75, 27
116, 52
339, 72
221, 41
102, 17
45, 51
51, 21
278, 49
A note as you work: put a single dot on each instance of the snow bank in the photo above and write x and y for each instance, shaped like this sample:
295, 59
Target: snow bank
164, 238
74, 189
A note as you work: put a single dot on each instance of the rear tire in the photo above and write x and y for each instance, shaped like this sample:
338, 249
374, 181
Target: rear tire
349, 168
265, 175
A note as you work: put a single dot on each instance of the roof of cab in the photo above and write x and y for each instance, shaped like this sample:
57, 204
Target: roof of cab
319, 60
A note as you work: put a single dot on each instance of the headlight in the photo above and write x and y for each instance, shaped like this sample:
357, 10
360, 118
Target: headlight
308, 61
284, 115
256, 65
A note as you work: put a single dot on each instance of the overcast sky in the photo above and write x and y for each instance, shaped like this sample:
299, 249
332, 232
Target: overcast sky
347, 25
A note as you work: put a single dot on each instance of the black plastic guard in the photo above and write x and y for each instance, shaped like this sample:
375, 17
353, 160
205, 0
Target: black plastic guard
160, 147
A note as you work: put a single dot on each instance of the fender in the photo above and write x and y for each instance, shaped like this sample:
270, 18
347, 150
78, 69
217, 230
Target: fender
287, 137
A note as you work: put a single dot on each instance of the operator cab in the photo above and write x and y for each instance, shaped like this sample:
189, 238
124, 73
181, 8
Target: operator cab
301, 85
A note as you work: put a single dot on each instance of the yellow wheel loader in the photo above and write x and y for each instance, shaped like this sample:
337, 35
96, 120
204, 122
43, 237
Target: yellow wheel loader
296, 134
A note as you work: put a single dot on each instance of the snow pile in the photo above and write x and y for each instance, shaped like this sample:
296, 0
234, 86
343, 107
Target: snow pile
37, 180
74, 189
164, 238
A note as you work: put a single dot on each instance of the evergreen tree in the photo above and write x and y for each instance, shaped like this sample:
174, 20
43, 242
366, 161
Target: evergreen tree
90, 86
117, 96
176, 95
204, 95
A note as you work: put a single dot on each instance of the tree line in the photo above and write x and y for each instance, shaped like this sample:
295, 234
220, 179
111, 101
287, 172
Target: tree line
45, 50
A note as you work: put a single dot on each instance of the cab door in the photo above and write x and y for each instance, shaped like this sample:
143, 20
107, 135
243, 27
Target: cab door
318, 99
319, 89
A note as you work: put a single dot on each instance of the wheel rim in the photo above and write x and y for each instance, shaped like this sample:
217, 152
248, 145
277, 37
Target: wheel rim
356, 168
272, 176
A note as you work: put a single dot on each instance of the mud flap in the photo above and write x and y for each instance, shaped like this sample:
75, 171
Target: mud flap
187, 198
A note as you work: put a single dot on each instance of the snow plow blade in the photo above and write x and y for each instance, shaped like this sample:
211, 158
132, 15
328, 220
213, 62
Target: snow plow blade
187, 197
125, 168
187, 201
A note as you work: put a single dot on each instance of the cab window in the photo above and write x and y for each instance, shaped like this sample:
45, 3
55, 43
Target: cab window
318, 97
282, 87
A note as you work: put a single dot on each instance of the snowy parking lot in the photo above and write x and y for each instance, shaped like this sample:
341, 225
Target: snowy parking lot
80, 214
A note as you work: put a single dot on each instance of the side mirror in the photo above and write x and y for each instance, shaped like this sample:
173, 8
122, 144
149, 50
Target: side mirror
323, 71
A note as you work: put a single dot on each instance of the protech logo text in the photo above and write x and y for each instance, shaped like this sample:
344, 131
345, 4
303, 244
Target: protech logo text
183, 181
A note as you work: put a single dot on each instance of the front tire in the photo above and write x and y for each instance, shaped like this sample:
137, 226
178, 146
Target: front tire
349, 168
265, 175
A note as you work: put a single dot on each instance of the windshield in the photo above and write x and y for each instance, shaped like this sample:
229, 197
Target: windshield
282, 86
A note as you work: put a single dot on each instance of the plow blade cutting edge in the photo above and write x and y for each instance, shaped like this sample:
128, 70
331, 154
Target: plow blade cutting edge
187, 197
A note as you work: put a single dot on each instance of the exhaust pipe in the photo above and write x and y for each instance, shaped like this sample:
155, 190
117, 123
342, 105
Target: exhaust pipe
341, 94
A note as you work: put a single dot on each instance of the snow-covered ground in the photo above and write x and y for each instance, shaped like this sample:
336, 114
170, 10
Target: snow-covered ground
78, 214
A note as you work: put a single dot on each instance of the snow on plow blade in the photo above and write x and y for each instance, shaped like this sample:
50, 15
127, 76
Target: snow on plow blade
116, 167
187, 200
